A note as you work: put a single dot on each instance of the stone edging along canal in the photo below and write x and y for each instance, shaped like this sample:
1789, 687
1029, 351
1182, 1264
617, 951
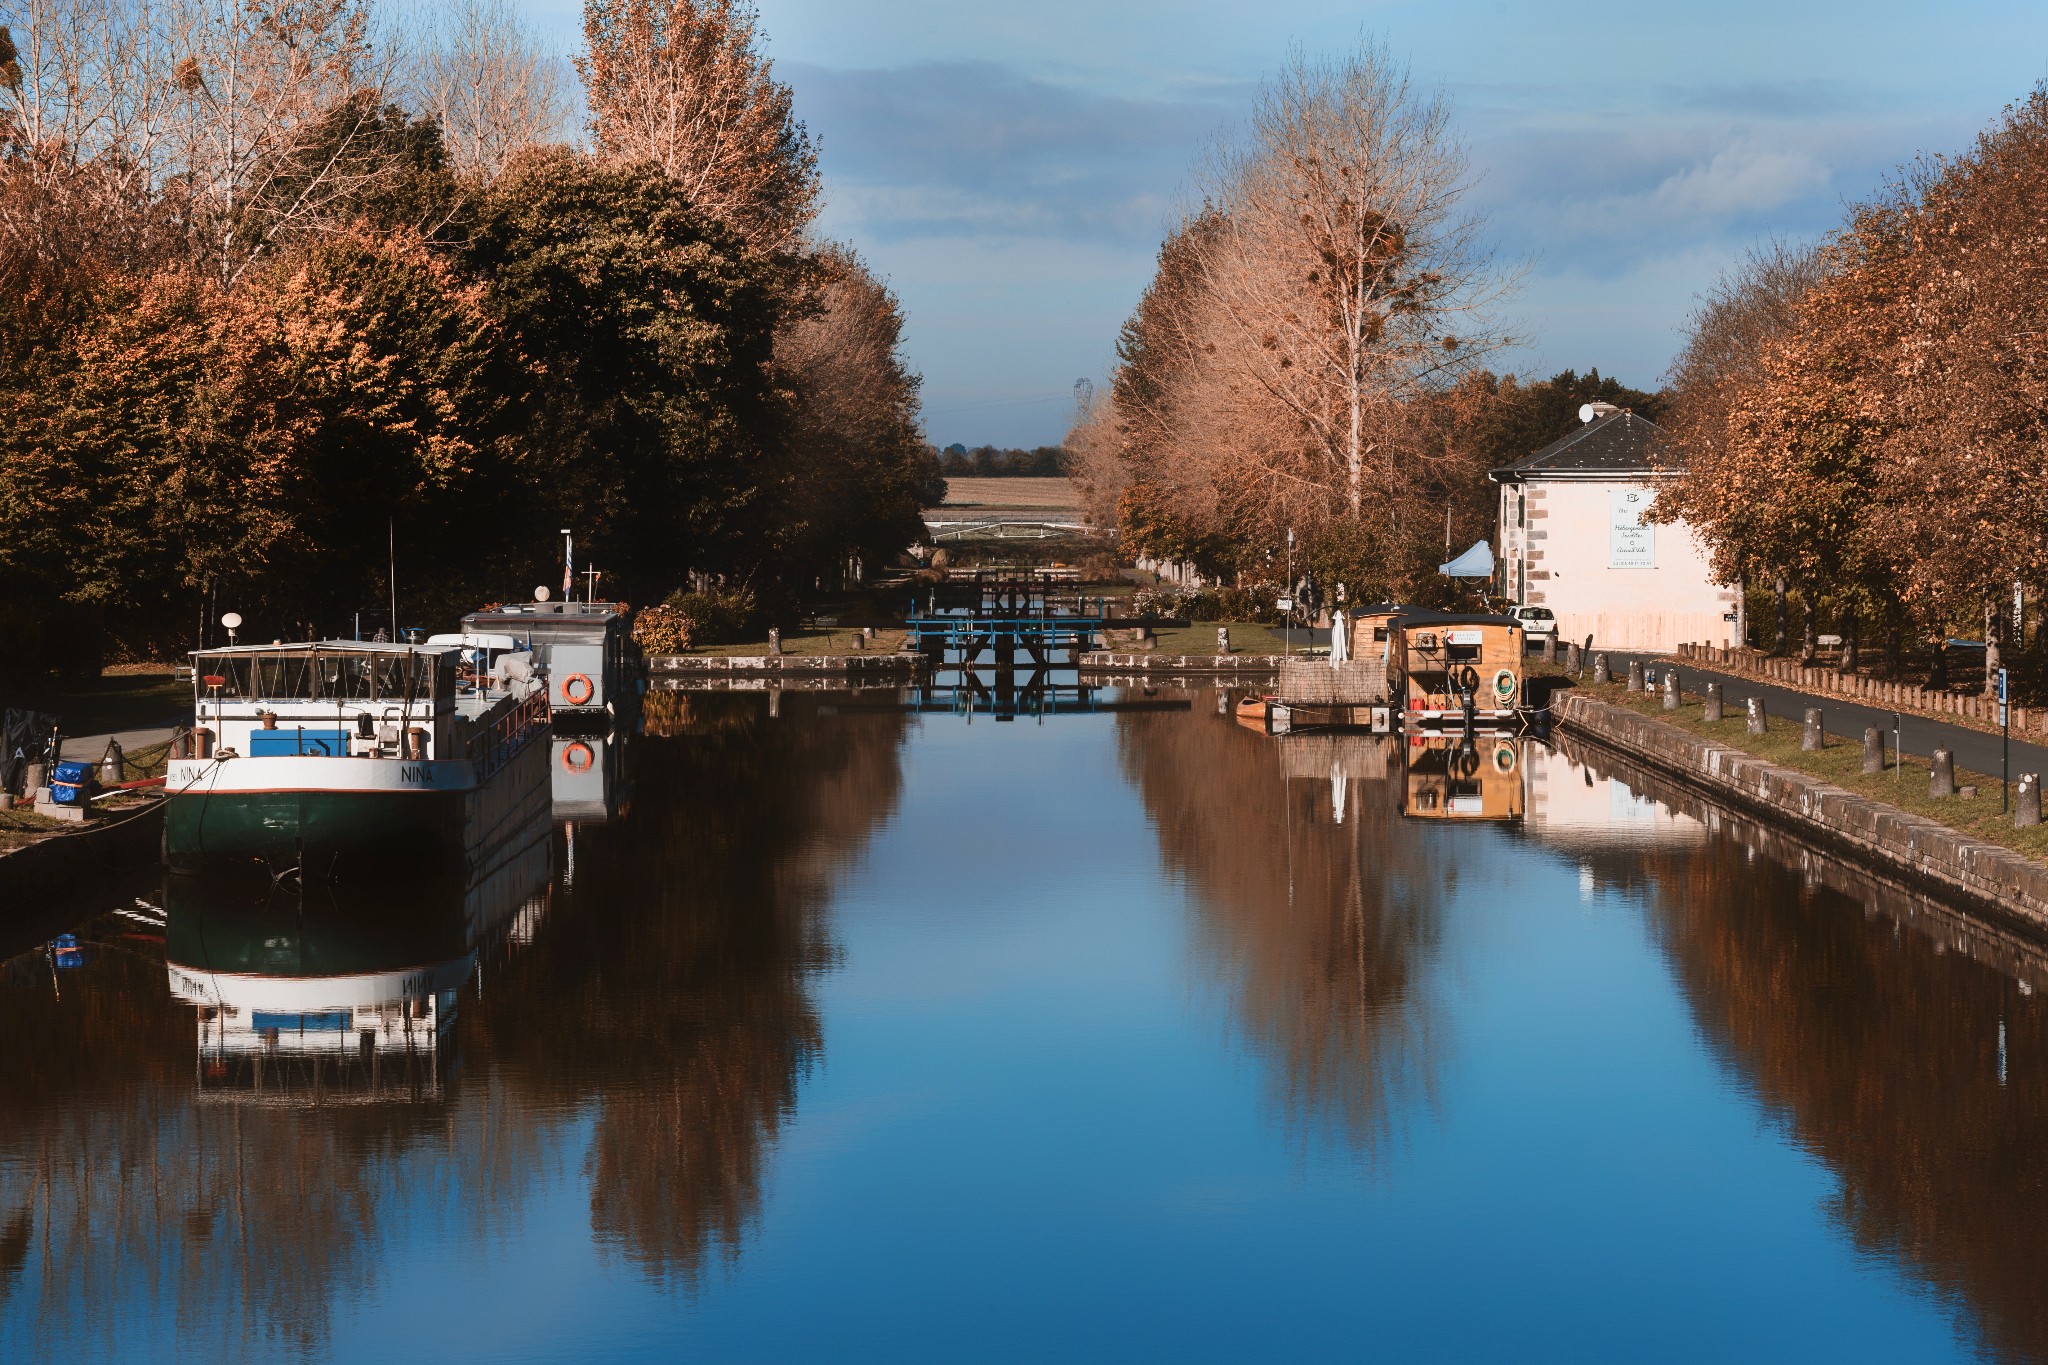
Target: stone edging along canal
881, 663
1987, 876
80, 862
1099, 661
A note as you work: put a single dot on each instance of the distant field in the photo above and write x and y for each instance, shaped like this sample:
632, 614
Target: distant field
971, 492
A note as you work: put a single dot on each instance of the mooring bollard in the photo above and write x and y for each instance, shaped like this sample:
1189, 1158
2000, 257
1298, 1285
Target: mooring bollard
1873, 749
114, 767
1635, 675
1713, 707
1671, 696
1223, 639
775, 703
1572, 658
774, 640
1941, 774
1758, 721
1601, 673
2026, 803
1810, 733
1222, 701
1550, 648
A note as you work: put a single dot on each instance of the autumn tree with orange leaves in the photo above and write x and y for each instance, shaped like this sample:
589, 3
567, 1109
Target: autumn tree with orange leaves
1869, 421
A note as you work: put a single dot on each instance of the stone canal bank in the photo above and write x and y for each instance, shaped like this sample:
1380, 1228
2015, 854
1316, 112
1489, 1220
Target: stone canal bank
1991, 879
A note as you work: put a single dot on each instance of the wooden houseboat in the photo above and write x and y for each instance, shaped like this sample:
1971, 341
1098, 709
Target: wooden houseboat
1445, 665
348, 757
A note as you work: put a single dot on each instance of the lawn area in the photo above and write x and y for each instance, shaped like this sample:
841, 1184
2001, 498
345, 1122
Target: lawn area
811, 644
1246, 637
115, 701
1841, 762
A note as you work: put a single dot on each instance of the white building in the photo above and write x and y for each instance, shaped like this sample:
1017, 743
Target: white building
1573, 538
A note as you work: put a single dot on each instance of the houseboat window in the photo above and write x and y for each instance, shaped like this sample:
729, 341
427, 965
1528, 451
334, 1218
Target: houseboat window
1461, 653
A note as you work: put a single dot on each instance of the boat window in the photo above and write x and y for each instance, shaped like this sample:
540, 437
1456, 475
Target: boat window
1461, 653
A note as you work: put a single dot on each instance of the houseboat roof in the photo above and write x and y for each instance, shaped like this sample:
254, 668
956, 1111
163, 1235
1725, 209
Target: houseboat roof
332, 647
547, 611
1619, 443
1455, 618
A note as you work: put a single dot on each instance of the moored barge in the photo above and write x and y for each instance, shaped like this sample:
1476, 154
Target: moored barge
341, 756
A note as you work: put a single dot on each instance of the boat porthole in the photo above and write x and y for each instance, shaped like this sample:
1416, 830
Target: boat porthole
577, 758
578, 689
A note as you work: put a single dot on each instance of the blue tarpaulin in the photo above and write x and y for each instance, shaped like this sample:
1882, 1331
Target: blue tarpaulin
1476, 562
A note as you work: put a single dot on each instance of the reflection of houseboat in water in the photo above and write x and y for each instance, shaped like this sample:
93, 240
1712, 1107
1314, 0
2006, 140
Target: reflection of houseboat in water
1446, 777
594, 668
302, 756
339, 997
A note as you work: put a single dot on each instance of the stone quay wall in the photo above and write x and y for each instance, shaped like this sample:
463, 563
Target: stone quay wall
1989, 877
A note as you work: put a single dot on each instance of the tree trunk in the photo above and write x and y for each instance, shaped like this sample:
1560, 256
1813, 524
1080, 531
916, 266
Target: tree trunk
1779, 610
1937, 676
1994, 657
1806, 644
1852, 640
1894, 651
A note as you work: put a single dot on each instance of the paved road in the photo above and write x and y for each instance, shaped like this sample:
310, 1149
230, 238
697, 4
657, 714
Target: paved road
1841, 716
89, 748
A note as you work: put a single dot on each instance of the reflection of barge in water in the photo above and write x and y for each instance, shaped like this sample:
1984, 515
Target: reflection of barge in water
303, 756
335, 996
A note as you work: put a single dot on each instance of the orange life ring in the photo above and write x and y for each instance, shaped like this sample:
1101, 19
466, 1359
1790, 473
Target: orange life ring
577, 758
569, 685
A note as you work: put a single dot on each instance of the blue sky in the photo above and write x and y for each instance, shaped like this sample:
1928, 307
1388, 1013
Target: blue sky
1010, 167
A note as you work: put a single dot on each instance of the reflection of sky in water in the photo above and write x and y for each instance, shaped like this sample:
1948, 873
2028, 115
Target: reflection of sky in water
1092, 1085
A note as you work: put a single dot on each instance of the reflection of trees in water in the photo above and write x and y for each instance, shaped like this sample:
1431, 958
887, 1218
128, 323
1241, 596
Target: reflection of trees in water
119, 1186
1881, 1051
666, 988
679, 966
1322, 929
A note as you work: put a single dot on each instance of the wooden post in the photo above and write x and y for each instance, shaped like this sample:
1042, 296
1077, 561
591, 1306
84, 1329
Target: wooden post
1941, 774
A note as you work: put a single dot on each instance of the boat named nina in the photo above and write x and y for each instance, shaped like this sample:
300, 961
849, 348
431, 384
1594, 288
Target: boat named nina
343, 754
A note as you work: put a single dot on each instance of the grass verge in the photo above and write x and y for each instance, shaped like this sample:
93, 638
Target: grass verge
1902, 784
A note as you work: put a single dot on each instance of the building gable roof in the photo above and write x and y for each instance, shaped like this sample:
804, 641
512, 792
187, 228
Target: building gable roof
1617, 443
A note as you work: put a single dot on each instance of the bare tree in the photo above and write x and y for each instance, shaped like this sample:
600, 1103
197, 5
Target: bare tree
682, 83
278, 99
483, 75
1347, 281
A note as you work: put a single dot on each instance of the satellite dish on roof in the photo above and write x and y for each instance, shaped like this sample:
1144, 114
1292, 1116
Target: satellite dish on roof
541, 594
1593, 411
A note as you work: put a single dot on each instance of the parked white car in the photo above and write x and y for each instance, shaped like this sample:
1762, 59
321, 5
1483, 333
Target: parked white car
1536, 621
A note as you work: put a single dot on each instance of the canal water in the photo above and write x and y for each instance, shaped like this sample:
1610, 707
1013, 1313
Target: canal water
850, 1033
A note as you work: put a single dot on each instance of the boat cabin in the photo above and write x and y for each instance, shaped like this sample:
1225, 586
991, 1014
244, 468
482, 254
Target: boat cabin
340, 699
1446, 778
1438, 659
586, 649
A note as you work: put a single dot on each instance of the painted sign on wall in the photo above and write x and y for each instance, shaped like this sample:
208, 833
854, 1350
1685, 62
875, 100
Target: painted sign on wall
1631, 542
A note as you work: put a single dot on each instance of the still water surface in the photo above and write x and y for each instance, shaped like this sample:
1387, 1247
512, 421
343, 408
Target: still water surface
868, 1036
